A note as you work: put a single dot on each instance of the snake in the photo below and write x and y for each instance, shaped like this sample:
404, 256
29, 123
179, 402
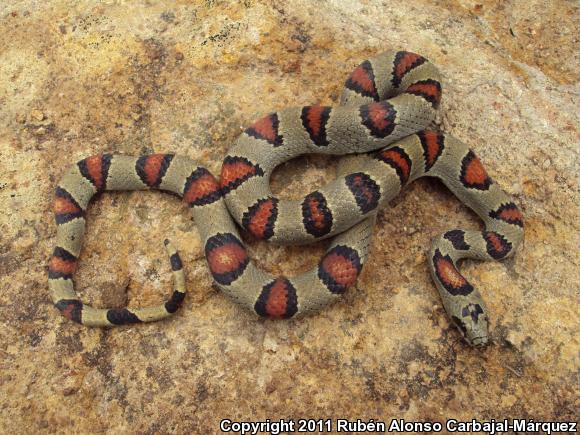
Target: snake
382, 129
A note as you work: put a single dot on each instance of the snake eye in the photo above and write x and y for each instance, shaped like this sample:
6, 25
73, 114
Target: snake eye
460, 324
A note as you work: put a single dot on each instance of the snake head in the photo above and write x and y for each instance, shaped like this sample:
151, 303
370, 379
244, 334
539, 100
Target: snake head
473, 324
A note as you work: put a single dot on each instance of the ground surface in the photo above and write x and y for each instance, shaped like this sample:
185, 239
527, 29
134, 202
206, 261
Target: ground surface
135, 77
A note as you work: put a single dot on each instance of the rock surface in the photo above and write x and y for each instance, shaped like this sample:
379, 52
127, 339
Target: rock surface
78, 78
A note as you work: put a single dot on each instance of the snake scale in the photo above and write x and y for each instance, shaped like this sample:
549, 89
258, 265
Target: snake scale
381, 130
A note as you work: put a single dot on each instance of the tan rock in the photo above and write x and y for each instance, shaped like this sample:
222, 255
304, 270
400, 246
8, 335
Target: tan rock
185, 77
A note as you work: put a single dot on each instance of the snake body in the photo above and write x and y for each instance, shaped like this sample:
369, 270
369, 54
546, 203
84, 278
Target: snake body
387, 104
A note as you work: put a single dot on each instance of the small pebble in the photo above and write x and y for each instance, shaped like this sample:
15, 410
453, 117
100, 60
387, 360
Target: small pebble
36, 115
546, 164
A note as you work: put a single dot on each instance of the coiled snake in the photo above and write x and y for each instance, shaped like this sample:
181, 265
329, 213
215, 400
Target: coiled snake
386, 107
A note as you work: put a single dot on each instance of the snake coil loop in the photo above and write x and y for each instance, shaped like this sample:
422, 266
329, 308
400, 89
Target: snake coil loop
386, 108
